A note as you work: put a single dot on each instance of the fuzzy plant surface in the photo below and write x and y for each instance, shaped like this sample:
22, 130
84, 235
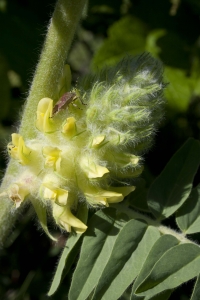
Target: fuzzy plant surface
87, 142
79, 149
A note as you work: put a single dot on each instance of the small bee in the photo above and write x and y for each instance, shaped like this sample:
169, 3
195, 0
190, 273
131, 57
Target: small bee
64, 101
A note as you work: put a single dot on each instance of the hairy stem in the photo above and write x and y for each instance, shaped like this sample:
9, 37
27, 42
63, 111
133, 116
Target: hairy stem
58, 41
54, 54
163, 229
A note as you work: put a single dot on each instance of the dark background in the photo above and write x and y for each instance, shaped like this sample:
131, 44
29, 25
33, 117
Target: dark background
170, 30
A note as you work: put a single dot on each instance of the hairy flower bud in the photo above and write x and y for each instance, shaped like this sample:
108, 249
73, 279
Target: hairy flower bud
88, 142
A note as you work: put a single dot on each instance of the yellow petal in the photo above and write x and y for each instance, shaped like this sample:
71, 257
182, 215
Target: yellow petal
64, 225
69, 127
100, 196
52, 157
97, 141
91, 169
44, 122
17, 193
124, 190
18, 150
56, 194
123, 159
15, 138
64, 217
48, 193
62, 196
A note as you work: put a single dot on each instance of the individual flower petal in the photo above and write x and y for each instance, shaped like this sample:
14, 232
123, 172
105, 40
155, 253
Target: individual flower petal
124, 190
17, 193
52, 157
124, 159
100, 196
97, 141
64, 217
18, 150
56, 194
69, 127
44, 122
91, 169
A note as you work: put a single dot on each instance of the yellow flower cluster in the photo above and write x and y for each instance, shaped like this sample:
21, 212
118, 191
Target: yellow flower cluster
87, 143
61, 169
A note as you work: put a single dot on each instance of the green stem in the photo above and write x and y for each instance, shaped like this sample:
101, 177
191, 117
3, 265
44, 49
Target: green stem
54, 54
163, 229
58, 42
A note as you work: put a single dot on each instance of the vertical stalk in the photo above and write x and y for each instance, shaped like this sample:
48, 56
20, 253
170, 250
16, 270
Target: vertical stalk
58, 41
59, 37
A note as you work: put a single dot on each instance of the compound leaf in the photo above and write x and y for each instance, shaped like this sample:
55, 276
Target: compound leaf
178, 265
126, 243
103, 229
133, 265
172, 187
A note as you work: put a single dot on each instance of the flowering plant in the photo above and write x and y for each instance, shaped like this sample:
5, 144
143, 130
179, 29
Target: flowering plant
79, 150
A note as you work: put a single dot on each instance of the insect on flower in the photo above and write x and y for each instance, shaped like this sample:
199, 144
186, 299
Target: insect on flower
64, 101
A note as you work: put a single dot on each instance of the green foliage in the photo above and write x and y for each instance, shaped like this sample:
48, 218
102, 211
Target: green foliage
188, 216
122, 248
119, 43
104, 227
120, 28
139, 201
131, 35
179, 264
69, 253
179, 90
67, 258
171, 189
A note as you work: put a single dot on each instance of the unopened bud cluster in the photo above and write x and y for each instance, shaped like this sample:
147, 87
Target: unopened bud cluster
89, 142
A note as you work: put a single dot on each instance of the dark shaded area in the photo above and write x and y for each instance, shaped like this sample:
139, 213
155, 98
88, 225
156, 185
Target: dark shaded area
29, 254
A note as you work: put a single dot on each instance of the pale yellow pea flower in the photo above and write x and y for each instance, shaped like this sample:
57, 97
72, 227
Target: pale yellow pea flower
52, 157
44, 121
18, 150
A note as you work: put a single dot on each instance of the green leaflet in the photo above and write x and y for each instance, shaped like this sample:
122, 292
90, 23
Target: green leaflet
179, 91
178, 265
188, 216
69, 253
172, 187
132, 266
196, 291
103, 229
66, 260
126, 243
163, 244
127, 35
